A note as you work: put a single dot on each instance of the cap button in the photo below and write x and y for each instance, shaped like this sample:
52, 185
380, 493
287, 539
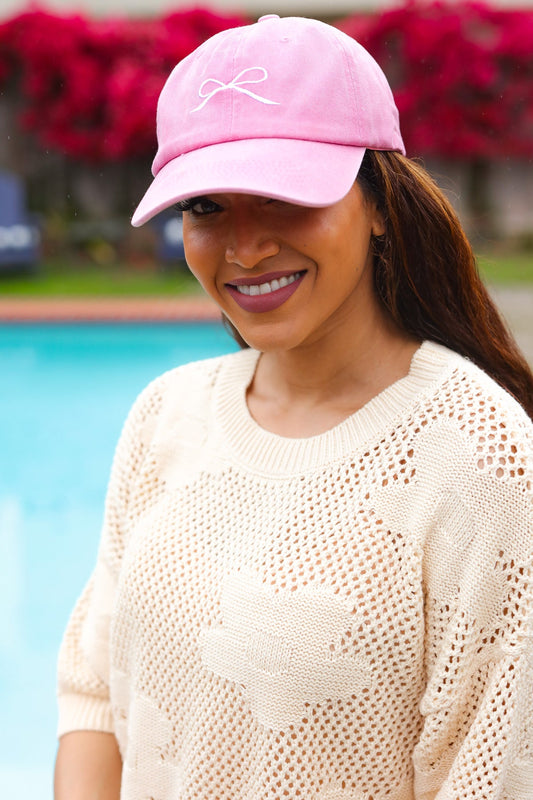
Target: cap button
268, 16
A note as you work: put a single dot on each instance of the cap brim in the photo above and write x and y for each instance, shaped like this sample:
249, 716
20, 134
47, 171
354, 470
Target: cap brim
301, 172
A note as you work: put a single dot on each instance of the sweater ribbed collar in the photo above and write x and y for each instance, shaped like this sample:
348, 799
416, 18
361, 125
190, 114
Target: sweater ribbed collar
263, 452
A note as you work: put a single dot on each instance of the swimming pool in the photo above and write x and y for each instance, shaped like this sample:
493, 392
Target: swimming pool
66, 390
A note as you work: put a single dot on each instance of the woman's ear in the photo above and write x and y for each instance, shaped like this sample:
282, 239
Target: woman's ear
378, 223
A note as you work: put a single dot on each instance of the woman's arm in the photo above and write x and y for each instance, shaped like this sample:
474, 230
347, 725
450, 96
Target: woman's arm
88, 762
478, 573
88, 767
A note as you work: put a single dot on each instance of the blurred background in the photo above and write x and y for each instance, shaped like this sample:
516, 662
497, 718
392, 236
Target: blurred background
92, 309
79, 84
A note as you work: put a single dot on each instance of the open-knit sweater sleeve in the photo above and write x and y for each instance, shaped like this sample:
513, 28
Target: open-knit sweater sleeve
477, 736
83, 663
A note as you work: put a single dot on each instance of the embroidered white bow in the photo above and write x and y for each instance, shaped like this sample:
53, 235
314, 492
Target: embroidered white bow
237, 84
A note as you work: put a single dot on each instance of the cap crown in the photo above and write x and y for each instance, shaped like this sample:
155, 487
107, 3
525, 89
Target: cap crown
289, 78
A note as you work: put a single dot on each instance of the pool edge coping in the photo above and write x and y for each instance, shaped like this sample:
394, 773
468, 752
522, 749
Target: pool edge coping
107, 309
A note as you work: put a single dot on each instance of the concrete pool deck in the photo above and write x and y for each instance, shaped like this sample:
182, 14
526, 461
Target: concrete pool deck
516, 305
515, 302
106, 309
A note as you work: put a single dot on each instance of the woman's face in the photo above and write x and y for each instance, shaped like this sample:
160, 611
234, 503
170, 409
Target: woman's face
285, 275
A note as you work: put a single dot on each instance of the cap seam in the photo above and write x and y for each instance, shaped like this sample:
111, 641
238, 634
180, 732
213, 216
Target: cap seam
230, 97
269, 138
352, 81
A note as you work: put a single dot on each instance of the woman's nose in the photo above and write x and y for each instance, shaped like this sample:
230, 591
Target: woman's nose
249, 257
249, 243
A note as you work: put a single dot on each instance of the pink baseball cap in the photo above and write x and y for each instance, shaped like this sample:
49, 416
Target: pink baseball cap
284, 108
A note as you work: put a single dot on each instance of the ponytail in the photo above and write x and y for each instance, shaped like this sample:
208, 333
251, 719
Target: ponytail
426, 275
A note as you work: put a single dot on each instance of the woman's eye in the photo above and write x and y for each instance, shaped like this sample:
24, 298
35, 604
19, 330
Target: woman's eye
203, 205
199, 206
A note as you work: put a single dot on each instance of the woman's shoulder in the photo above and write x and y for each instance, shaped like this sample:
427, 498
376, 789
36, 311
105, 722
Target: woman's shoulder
463, 391
198, 373
468, 415
189, 384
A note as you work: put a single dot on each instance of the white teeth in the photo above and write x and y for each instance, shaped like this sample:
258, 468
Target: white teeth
268, 286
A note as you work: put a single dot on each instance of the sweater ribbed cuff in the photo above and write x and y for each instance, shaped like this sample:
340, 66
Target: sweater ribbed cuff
78, 712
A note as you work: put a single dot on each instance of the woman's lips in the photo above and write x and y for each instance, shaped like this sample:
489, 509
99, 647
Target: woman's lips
265, 293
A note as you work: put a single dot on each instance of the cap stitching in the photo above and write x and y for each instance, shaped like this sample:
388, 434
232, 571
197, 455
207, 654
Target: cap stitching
237, 85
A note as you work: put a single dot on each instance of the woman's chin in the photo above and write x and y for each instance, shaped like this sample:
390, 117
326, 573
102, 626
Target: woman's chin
269, 339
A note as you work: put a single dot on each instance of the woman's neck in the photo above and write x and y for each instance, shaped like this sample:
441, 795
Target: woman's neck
307, 390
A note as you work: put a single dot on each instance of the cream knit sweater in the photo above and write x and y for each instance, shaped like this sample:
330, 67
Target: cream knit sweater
343, 617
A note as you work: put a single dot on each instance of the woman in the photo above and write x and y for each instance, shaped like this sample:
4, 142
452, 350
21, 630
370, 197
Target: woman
314, 578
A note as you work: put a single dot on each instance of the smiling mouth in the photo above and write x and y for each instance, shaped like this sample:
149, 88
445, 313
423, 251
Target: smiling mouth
265, 293
254, 289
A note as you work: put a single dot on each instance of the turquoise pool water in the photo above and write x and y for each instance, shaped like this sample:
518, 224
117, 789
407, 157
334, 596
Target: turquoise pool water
66, 390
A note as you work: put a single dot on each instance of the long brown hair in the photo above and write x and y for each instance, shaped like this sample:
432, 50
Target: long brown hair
426, 275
